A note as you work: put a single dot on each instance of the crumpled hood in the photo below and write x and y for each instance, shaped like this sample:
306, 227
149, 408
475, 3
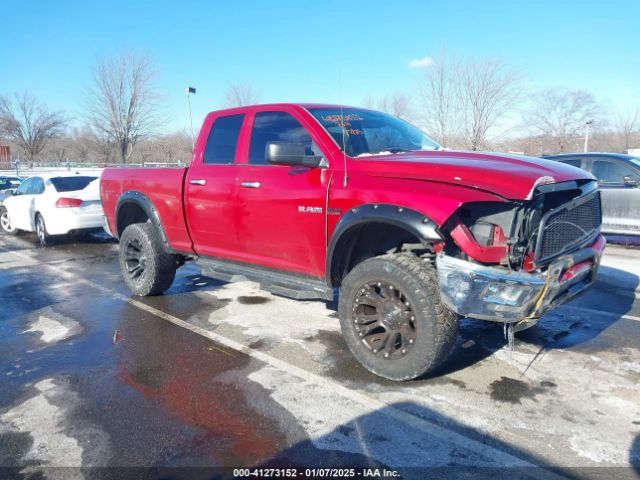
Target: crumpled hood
510, 176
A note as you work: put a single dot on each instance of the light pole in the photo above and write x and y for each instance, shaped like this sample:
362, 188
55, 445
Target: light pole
189, 90
586, 135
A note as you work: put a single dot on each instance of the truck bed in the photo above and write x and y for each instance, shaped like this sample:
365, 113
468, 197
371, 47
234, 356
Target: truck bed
162, 186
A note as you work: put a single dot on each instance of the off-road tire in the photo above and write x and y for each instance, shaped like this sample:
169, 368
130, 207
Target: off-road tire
434, 326
5, 223
43, 236
157, 268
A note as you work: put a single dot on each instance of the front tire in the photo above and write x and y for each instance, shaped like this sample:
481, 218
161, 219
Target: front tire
41, 232
392, 318
5, 222
145, 265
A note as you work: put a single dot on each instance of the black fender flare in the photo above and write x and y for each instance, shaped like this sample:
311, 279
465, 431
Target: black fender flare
413, 221
141, 200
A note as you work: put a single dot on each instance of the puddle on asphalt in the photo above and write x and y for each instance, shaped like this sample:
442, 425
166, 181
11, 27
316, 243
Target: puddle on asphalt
156, 392
252, 300
512, 390
178, 370
191, 306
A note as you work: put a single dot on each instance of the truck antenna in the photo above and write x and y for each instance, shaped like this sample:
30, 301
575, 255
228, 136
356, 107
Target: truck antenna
344, 128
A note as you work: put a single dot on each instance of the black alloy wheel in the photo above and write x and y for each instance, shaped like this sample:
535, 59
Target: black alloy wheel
135, 259
384, 319
392, 317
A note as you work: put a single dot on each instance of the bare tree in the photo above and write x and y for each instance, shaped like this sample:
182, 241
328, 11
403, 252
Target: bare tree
369, 102
171, 148
462, 101
396, 103
58, 149
123, 105
561, 114
487, 91
241, 94
29, 123
626, 124
438, 99
82, 144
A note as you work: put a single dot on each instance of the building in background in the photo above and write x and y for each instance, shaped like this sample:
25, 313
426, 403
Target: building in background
5, 157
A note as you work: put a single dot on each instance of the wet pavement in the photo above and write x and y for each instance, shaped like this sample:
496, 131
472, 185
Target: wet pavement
95, 383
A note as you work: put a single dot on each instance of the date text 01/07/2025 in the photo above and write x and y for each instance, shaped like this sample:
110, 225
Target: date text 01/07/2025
314, 473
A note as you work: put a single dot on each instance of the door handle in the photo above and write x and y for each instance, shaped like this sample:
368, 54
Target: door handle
250, 184
198, 182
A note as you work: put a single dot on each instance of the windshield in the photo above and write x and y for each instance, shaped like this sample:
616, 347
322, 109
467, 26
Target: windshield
71, 184
367, 132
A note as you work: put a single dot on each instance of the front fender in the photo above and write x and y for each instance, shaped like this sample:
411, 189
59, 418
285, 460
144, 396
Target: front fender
413, 221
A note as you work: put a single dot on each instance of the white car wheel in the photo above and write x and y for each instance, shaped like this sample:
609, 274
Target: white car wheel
5, 222
41, 231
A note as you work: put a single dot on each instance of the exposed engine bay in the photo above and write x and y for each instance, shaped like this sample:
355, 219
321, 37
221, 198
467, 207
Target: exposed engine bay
527, 235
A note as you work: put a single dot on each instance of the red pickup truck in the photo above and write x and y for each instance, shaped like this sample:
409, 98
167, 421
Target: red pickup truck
306, 199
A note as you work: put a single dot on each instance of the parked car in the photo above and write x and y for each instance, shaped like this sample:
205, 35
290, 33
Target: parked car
7, 188
9, 183
618, 177
308, 198
54, 204
6, 184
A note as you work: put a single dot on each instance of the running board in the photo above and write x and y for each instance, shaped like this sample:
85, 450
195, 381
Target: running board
279, 283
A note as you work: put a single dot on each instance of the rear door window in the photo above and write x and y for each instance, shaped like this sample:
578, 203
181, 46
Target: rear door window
223, 140
71, 184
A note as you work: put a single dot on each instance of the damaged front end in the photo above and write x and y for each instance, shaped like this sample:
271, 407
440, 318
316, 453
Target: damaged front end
511, 262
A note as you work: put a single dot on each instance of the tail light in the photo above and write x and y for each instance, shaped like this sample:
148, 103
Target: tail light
65, 202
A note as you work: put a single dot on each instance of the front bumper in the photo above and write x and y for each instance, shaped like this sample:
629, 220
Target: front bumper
497, 294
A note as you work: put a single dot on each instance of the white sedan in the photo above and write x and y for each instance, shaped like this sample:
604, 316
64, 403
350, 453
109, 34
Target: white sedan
54, 204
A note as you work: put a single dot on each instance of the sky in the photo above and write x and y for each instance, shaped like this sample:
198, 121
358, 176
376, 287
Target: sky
314, 51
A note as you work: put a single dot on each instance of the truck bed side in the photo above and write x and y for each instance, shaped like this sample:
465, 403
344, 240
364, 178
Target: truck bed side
163, 187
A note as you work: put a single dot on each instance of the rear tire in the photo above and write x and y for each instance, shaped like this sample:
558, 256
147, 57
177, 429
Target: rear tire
392, 318
41, 232
145, 265
5, 223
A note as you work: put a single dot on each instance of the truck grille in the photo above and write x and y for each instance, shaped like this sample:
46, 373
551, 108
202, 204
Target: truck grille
568, 226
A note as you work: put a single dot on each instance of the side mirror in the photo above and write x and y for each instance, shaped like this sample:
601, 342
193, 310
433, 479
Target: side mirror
287, 153
630, 181
10, 193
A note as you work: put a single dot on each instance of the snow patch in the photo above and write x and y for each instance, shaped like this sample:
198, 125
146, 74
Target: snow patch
335, 423
9, 260
44, 418
595, 449
301, 320
54, 327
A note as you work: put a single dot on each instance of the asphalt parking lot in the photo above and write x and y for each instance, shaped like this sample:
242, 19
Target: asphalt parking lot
226, 375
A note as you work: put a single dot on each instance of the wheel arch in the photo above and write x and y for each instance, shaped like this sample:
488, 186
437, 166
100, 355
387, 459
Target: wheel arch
136, 207
372, 229
34, 218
